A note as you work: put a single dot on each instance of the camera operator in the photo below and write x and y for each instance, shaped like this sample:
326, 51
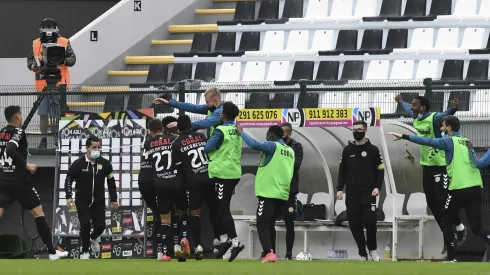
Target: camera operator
49, 33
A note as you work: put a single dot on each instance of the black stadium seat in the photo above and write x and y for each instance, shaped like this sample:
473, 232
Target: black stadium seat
453, 69
436, 101
114, 103
269, 9
292, 9
258, 101
413, 8
181, 71
250, 41
328, 70
346, 41
478, 69
438, 7
157, 73
464, 100
389, 8
244, 11
201, 43
397, 39
311, 100
303, 70
353, 70
135, 101
371, 43
225, 45
205, 71
282, 100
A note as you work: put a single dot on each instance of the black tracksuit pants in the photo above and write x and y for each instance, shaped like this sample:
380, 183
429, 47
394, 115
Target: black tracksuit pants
361, 213
469, 199
88, 215
224, 193
210, 198
435, 184
268, 210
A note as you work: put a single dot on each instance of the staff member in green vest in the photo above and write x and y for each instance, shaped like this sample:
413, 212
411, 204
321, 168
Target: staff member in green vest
272, 184
225, 150
212, 108
465, 182
434, 174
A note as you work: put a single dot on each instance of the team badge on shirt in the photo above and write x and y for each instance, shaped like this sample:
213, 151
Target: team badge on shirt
364, 154
99, 166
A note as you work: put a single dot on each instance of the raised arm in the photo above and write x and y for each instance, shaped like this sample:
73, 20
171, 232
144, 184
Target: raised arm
480, 163
189, 107
268, 147
211, 120
406, 107
445, 143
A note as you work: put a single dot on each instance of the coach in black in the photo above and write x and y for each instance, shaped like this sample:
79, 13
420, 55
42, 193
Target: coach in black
89, 172
289, 211
361, 171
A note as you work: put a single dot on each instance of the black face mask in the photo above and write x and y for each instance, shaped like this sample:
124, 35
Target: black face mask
359, 135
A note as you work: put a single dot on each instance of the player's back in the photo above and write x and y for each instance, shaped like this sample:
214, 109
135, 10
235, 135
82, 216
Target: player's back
10, 169
189, 148
165, 172
146, 169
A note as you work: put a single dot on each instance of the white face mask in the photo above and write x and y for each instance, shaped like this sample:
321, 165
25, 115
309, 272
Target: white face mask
95, 154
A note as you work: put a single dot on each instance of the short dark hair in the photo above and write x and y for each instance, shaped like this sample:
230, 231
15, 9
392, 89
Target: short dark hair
288, 126
184, 123
360, 122
452, 121
91, 139
11, 111
424, 101
230, 110
155, 125
277, 130
167, 120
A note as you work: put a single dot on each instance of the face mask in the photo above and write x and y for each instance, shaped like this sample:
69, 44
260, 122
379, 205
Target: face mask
95, 154
421, 114
359, 135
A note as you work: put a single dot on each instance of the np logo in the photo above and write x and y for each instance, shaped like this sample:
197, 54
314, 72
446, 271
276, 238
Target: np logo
366, 114
294, 116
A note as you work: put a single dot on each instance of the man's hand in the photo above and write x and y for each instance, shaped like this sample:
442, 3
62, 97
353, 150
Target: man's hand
340, 195
160, 101
375, 192
396, 135
240, 129
114, 205
398, 98
454, 103
69, 203
469, 144
31, 168
172, 124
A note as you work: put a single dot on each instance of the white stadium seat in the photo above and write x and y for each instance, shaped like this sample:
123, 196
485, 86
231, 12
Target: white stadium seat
323, 40
331, 100
273, 42
428, 69
317, 10
279, 70
474, 38
378, 69
254, 71
417, 204
483, 12
422, 38
297, 42
447, 39
342, 11
229, 71
462, 8
402, 69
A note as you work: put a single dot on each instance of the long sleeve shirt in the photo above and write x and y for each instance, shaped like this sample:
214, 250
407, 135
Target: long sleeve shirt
211, 120
216, 139
444, 143
437, 117
70, 57
480, 163
267, 147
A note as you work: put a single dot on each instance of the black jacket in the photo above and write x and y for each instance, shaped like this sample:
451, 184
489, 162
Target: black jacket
298, 158
361, 168
90, 180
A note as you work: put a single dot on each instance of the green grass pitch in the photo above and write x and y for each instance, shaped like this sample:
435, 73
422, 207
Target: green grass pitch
238, 267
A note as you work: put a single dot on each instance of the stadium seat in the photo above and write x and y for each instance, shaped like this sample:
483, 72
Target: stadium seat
328, 70
417, 204
464, 100
453, 69
258, 101
254, 71
473, 39
282, 100
205, 71
359, 99
485, 50
402, 69
323, 40
201, 43
384, 100
157, 73
310, 100
332, 100
422, 38
237, 98
396, 39
428, 69
371, 43
244, 11
437, 103
346, 41
353, 70
303, 70
413, 8
114, 103
480, 103
273, 42
279, 71
388, 206
378, 69
292, 9
447, 41
365, 8
229, 71
437, 7
225, 44
181, 71
297, 43
389, 8
317, 10
477, 70
462, 9
250, 41
269, 9
483, 12
302, 197
135, 102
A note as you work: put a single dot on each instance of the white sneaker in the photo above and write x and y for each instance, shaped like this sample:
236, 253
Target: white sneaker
199, 253
94, 244
374, 255
85, 256
160, 256
178, 251
363, 259
58, 255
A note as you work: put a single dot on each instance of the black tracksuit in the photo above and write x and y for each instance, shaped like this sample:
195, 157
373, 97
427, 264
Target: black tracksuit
90, 194
361, 170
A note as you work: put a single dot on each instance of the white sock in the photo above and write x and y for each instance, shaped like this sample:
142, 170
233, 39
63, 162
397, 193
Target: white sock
223, 238
216, 242
235, 242
460, 227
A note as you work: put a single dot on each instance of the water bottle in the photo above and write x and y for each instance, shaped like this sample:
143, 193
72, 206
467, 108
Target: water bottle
387, 252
